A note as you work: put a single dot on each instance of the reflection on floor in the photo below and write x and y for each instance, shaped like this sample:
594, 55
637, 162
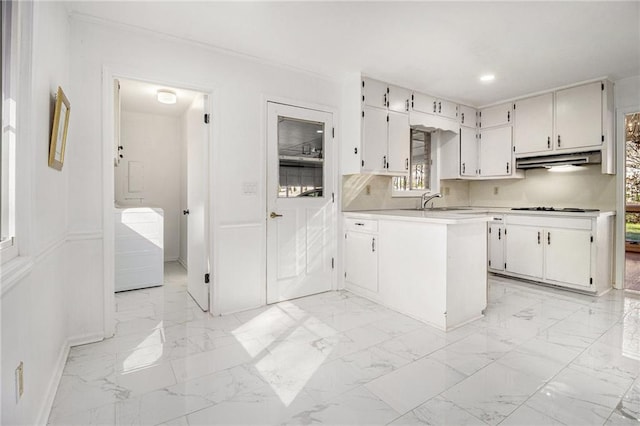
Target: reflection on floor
632, 271
540, 356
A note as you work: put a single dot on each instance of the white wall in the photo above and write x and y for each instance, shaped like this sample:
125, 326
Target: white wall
156, 142
182, 257
240, 88
35, 302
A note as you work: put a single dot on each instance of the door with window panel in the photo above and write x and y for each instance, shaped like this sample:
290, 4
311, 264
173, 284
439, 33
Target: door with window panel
300, 202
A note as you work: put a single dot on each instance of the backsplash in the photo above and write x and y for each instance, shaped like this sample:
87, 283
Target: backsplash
585, 187
355, 197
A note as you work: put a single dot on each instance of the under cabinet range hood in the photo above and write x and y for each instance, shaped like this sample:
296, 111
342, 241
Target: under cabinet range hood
431, 123
546, 161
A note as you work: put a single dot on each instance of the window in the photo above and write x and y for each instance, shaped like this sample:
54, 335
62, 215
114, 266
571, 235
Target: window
422, 175
9, 65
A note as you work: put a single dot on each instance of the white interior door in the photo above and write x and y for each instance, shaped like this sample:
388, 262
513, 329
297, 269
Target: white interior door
300, 202
197, 199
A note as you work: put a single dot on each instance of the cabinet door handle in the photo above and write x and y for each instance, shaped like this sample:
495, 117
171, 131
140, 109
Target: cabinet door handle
373, 244
384, 100
384, 162
558, 141
548, 238
439, 107
406, 107
359, 224
538, 237
548, 142
464, 168
434, 106
406, 164
508, 116
462, 116
499, 233
507, 167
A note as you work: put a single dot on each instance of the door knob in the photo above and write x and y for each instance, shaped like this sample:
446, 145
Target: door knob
273, 215
185, 212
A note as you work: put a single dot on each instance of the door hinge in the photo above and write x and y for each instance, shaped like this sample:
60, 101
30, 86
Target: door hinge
602, 86
505, 231
362, 114
489, 263
332, 263
333, 132
505, 265
514, 106
590, 280
514, 148
489, 229
362, 98
592, 238
345, 275
362, 163
206, 278
333, 197
362, 83
602, 138
387, 118
206, 119
345, 236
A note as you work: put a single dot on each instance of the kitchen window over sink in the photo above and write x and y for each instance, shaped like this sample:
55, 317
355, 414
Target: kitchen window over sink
423, 176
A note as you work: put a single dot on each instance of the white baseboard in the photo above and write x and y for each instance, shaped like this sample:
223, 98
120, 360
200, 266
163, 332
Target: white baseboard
183, 263
52, 388
83, 339
171, 259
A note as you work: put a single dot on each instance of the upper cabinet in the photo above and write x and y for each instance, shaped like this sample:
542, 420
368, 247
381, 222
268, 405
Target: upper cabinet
575, 119
432, 105
499, 115
398, 99
375, 93
579, 117
533, 130
467, 116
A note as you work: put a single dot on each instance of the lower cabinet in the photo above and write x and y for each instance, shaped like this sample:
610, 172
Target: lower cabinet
361, 254
495, 241
573, 252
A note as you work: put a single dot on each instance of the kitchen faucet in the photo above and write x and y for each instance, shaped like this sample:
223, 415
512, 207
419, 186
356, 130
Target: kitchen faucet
426, 198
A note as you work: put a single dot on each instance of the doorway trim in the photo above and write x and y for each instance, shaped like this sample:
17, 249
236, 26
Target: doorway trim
109, 75
621, 175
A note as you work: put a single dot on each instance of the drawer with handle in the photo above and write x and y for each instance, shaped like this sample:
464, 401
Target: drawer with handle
362, 225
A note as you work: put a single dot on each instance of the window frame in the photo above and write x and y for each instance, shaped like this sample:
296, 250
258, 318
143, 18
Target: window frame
434, 184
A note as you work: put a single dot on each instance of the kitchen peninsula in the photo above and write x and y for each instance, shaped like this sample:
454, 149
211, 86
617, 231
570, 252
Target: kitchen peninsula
430, 265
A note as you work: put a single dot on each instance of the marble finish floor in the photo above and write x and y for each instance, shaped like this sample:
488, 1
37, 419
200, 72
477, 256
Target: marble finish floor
539, 357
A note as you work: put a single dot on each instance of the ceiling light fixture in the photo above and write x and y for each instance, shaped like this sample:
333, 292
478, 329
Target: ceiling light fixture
167, 97
319, 131
487, 78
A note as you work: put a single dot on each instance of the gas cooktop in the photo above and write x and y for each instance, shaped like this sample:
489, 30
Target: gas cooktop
553, 209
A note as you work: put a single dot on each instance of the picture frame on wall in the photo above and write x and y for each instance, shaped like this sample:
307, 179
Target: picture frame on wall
59, 130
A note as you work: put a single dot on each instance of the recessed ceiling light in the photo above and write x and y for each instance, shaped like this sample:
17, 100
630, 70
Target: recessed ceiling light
319, 131
487, 78
167, 97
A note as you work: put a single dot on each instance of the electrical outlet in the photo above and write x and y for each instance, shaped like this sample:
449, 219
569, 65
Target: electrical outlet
368, 190
495, 190
19, 381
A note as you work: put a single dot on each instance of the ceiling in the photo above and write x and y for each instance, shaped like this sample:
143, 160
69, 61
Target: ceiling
440, 48
139, 96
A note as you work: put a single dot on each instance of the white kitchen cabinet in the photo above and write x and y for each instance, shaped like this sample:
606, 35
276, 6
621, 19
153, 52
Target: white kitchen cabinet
361, 254
399, 99
467, 116
495, 241
495, 152
533, 128
374, 93
567, 256
468, 152
579, 117
568, 251
423, 103
524, 250
447, 109
498, 115
374, 139
398, 147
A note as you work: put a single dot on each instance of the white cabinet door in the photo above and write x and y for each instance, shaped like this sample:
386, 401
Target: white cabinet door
399, 99
495, 152
524, 250
496, 246
467, 116
447, 109
374, 93
533, 128
361, 260
374, 139
579, 117
498, 115
468, 152
568, 256
424, 103
399, 142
